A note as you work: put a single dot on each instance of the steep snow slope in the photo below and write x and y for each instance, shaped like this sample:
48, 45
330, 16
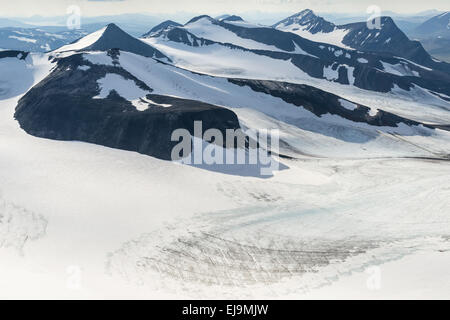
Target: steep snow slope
20, 71
112, 37
84, 42
204, 27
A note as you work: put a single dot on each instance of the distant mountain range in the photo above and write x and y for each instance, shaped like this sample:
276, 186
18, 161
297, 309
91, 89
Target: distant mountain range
355, 35
36, 39
438, 26
406, 22
10, 23
434, 34
135, 24
389, 39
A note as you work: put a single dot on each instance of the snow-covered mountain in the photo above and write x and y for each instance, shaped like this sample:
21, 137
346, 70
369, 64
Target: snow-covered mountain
229, 49
389, 39
307, 24
435, 35
124, 98
438, 26
112, 37
162, 26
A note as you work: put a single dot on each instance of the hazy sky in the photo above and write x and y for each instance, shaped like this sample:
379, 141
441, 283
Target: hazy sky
111, 7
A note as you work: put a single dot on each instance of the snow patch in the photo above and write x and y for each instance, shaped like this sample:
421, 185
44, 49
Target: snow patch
99, 58
23, 39
299, 50
46, 47
334, 37
348, 105
331, 74
338, 53
350, 75
84, 68
126, 88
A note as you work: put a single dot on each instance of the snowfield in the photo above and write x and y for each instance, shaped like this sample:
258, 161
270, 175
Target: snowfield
418, 104
358, 213
334, 37
125, 88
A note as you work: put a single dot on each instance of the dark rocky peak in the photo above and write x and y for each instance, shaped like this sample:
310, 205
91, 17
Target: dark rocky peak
307, 18
387, 24
161, 27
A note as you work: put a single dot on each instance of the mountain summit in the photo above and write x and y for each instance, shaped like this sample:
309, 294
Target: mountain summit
305, 20
112, 37
233, 18
162, 26
387, 39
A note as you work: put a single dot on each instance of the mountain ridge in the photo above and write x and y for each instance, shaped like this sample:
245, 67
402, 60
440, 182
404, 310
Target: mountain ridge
389, 39
349, 66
